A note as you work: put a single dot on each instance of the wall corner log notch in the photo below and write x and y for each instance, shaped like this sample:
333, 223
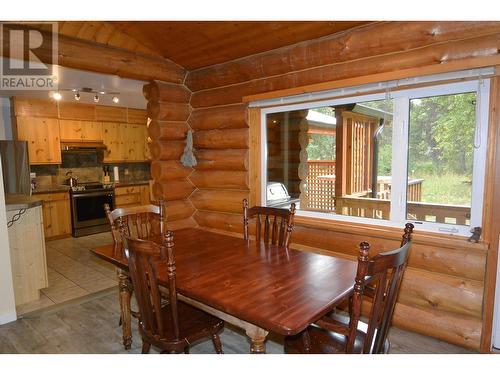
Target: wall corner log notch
168, 112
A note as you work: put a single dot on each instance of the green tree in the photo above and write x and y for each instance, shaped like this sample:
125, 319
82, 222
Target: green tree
442, 133
321, 147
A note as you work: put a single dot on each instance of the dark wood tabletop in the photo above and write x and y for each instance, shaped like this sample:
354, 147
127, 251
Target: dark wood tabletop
278, 289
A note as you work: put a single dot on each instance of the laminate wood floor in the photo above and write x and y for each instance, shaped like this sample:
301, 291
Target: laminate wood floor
90, 325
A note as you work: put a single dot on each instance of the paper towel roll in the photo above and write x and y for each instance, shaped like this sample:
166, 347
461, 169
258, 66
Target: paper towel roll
116, 175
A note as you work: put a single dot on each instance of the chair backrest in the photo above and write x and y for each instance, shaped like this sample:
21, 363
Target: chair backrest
143, 258
277, 232
384, 272
137, 221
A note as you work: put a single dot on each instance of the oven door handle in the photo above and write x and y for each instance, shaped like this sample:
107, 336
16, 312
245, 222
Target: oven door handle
94, 194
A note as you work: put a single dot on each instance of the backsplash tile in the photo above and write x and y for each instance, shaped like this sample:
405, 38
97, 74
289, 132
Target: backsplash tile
48, 175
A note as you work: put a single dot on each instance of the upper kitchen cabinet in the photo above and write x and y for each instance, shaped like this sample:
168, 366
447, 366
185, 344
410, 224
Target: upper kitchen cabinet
44, 123
125, 142
112, 140
42, 135
80, 131
36, 121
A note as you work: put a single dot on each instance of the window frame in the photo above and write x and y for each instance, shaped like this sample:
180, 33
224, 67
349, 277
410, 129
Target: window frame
400, 140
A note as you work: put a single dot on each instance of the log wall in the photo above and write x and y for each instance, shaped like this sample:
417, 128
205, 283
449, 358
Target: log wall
442, 293
168, 113
221, 176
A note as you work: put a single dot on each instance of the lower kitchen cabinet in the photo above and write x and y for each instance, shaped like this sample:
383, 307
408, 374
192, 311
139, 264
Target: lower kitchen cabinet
27, 254
127, 196
56, 215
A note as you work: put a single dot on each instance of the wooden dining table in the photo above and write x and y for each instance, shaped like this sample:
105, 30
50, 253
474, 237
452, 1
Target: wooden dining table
257, 287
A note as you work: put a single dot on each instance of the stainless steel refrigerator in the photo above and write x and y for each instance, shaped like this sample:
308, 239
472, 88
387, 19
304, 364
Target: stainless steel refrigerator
15, 167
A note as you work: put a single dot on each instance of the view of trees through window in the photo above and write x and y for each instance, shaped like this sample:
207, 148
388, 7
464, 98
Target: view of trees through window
441, 145
339, 158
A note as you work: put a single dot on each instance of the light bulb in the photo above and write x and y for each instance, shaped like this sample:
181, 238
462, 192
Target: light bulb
77, 95
116, 99
96, 98
57, 96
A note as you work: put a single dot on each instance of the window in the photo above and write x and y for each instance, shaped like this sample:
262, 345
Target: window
410, 155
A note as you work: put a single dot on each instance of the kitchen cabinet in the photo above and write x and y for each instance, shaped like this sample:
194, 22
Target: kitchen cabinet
78, 131
27, 254
43, 137
136, 195
125, 142
45, 123
56, 214
138, 146
111, 138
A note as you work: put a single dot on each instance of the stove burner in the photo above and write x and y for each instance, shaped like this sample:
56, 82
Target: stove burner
92, 187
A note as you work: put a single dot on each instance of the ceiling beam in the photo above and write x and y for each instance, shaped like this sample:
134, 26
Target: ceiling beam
95, 57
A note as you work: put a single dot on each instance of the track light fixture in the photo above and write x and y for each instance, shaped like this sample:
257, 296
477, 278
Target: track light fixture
80, 92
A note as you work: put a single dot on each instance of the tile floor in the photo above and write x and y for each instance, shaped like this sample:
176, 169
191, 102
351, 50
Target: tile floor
73, 271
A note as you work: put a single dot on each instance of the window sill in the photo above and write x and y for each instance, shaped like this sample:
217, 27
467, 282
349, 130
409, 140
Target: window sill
389, 232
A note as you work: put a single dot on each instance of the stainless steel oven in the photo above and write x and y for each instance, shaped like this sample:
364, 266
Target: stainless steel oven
87, 208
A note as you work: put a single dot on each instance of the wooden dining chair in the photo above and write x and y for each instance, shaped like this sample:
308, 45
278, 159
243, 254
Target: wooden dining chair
172, 325
277, 222
136, 221
380, 278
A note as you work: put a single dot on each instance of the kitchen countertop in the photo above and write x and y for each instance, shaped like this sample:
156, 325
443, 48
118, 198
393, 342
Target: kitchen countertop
14, 202
131, 182
51, 189
44, 189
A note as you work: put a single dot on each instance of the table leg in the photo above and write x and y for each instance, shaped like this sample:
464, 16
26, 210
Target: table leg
125, 315
258, 338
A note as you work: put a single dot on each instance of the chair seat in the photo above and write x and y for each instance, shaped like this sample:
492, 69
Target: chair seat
323, 341
194, 324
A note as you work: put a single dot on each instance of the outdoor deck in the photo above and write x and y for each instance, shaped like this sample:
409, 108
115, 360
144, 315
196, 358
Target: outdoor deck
321, 197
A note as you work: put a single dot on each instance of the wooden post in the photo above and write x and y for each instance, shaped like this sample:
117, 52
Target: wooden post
168, 112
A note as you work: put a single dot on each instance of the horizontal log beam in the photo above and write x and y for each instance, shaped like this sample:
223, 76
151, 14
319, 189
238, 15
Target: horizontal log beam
230, 159
221, 139
173, 190
454, 328
220, 179
166, 92
484, 48
179, 209
227, 117
219, 200
167, 150
168, 130
164, 111
442, 292
164, 171
376, 39
462, 261
95, 57
219, 220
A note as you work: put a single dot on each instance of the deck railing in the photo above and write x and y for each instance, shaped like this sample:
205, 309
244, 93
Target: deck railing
321, 197
413, 191
380, 209
321, 185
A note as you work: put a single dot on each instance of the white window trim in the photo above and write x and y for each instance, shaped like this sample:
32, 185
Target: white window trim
399, 163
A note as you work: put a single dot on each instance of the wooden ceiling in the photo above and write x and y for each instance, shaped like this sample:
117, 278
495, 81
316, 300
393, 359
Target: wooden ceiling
196, 44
